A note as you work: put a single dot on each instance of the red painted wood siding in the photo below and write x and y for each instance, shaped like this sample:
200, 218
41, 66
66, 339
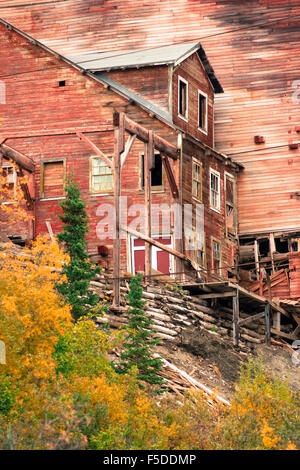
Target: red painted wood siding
192, 71
256, 65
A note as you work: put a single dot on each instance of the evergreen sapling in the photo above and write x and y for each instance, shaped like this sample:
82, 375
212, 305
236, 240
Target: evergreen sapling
79, 271
139, 340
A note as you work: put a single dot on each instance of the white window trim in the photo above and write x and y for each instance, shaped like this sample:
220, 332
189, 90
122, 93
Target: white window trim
106, 192
184, 118
216, 173
203, 130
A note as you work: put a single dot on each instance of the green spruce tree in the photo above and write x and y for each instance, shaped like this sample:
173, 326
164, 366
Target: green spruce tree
79, 271
139, 340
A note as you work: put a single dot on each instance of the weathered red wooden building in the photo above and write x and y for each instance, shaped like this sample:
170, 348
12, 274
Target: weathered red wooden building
66, 115
254, 49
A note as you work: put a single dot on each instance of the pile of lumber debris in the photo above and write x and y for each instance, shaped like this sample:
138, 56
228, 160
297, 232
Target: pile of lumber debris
179, 381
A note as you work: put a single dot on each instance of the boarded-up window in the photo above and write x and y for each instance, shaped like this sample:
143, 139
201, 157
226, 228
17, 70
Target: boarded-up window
197, 180
231, 219
182, 98
202, 111
52, 179
214, 189
216, 258
101, 179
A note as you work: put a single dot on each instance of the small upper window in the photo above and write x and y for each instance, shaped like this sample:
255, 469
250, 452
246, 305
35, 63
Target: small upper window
182, 98
214, 190
101, 179
197, 180
202, 111
52, 179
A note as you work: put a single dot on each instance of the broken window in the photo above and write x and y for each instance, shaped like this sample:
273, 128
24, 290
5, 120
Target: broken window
52, 179
214, 189
216, 257
202, 111
197, 180
230, 198
182, 98
156, 172
101, 179
194, 244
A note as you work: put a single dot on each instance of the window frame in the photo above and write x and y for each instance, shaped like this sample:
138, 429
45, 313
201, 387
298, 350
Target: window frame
6, 165
220, 271
106, 191
203, 129
181, 116
218, 175
230, 177
198, 163
42, 176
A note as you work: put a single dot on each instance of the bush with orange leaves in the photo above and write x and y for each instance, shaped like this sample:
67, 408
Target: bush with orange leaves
12, 201
58, 389
264, 414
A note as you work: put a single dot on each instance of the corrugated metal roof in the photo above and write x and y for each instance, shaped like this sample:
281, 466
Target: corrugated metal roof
164, 55
97, 61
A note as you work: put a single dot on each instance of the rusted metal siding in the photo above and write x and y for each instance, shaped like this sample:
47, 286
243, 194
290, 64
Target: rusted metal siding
256, 65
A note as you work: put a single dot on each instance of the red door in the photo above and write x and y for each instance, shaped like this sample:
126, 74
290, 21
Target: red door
160, 258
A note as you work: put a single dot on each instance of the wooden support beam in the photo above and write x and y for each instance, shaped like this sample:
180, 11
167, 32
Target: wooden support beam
272, 251
267, 322
256, 257
251, 318
277, 320
170, 176
24, 186
160, 144
217, 295
235, 319
148, 159
137, 234
118, 149
290, 336
128, 147
95, 149
22, 160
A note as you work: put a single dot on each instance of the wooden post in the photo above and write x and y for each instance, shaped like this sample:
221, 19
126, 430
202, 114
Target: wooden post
118, 149
276, 320
272, 250
236, 315
148, 164
267, 322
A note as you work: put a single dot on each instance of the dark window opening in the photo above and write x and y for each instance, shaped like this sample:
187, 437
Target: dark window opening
156, 172
182, 97
264, 248
282, 245
62, 83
